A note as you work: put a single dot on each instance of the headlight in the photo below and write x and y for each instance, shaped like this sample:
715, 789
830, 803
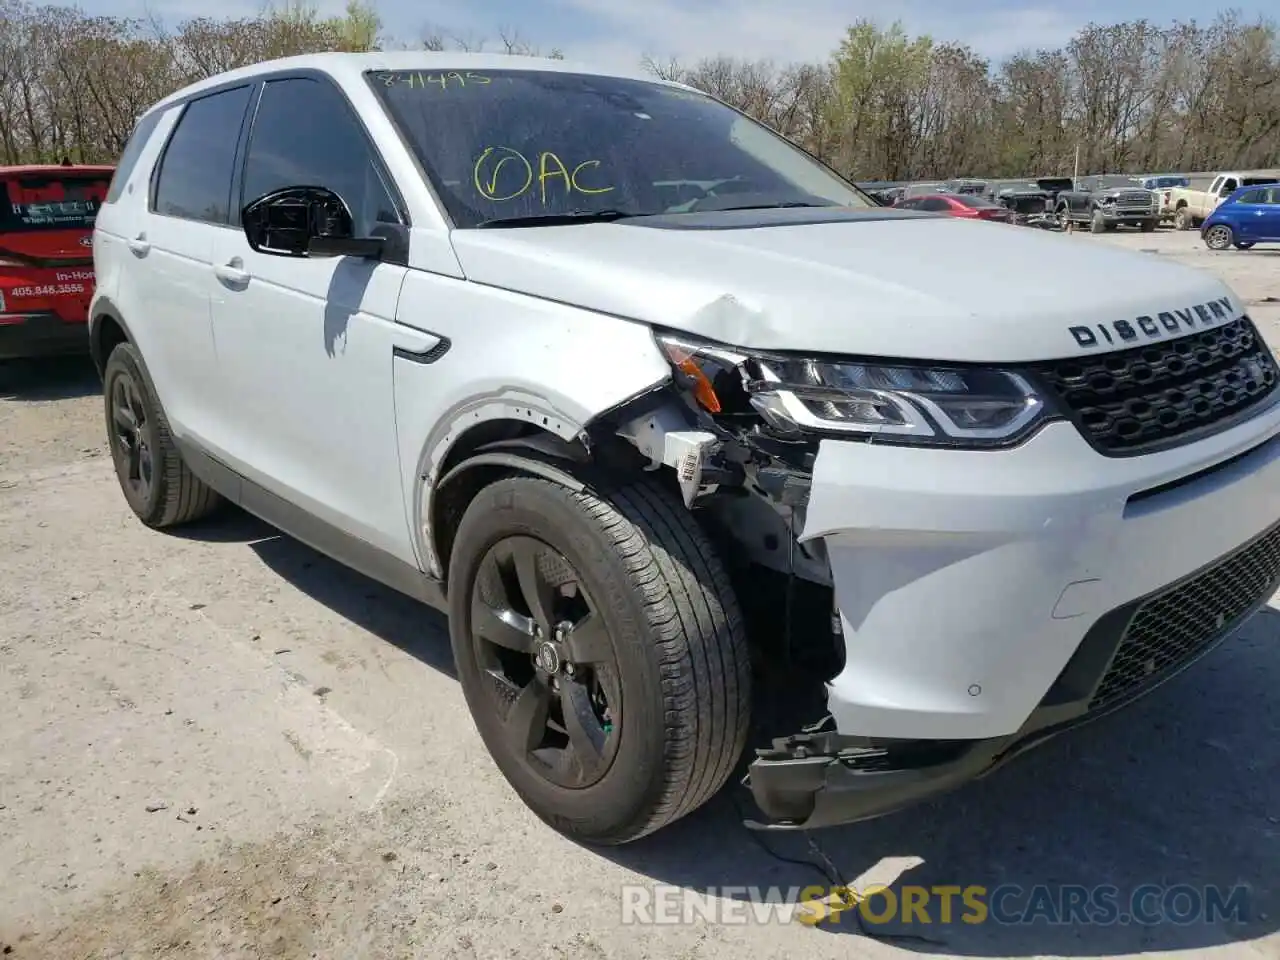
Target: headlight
918, 404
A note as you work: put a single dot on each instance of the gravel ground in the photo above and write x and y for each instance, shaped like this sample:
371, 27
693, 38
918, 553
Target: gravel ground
220, 744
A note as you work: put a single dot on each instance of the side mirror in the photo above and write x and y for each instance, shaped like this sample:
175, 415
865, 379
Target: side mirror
305, 222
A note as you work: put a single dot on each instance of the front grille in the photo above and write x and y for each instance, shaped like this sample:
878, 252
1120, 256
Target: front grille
1170, 630
1134, 200
1133, 401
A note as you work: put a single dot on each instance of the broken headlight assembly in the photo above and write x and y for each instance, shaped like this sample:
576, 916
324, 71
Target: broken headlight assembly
905, 403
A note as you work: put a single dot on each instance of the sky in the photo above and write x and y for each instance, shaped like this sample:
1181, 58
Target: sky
618, 33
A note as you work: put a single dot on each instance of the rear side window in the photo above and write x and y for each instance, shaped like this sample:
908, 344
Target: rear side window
51, 201
132, 150
1252, 196
194, 180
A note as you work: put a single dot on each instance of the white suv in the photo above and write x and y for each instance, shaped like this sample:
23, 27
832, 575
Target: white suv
644, 397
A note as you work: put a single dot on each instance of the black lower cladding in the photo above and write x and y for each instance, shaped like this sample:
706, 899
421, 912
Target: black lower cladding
819, 780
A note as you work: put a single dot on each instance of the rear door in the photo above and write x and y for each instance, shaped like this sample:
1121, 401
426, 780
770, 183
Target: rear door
126, 202
46, 241
172, 249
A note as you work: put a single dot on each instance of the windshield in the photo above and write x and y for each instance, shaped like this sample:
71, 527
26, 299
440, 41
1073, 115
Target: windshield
505, 144
51, 202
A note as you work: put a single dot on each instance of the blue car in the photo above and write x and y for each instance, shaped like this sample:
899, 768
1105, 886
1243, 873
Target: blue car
1250, 215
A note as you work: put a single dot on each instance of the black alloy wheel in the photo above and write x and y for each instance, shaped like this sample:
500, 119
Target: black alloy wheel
540, 640
132, 437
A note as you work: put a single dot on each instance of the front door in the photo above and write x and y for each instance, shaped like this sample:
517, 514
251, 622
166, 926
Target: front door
306, 344
1249, 207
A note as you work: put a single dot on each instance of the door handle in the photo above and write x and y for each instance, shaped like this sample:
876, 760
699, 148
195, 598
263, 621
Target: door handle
232, 271
140, 245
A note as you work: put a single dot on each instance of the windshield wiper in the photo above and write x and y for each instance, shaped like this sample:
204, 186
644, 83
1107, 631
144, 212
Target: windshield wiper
554, 219
775, 206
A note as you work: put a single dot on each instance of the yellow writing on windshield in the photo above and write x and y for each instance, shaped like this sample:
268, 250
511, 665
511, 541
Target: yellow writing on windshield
491, 183
422, 81
488, 169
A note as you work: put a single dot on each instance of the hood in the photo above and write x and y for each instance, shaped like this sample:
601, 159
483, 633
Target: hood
876, 282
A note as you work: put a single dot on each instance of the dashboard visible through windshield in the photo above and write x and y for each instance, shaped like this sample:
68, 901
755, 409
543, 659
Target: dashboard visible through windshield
508, 146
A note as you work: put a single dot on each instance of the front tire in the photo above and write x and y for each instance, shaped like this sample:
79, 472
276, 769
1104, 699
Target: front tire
1098, 223
1219, 237
602, 653
1149, 226
156, 483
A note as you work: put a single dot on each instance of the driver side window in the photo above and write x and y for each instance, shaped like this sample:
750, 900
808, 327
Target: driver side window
1229, 187
305, 134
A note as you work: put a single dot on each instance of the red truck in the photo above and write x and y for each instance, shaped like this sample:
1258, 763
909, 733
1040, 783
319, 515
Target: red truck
46, 256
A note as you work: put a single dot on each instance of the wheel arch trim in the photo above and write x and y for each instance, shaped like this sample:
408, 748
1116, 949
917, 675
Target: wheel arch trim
104, 308
556, 438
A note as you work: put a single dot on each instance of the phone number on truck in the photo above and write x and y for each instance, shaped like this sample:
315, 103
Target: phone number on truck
53, 290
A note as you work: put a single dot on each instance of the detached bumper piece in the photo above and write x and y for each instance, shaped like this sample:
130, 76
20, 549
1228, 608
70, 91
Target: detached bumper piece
809, 781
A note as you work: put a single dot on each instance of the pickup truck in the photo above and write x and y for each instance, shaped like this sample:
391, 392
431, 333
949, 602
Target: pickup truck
1163, 187
1105, 203
1190, 207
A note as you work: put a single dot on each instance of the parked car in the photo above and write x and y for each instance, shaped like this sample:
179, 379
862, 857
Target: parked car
1163, 186
46, 257
1032, 200
1250, 215
1163, 181
884, 192
1105, 204
969, 187
1191, 207
429, 314
958, 205
922, 189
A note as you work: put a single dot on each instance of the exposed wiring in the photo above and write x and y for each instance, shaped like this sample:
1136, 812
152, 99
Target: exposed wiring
829, 872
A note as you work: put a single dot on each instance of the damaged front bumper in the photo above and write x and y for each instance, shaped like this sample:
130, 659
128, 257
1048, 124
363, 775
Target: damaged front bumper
982, 600
815, 780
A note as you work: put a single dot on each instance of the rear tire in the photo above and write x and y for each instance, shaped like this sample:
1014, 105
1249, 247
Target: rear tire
677, 657
158, 486
1182, 219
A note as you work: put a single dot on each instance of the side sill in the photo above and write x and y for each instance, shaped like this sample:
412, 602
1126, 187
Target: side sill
363, 557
